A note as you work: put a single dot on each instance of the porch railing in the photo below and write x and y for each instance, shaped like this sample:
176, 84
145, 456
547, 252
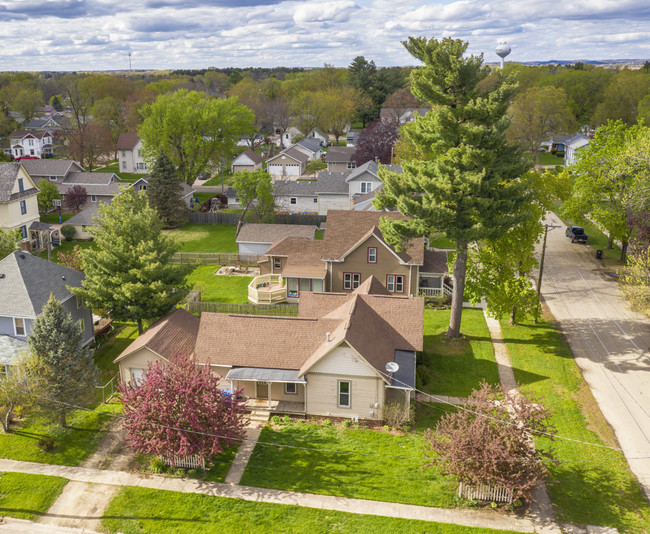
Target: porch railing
267, 289
108, 389
435, 291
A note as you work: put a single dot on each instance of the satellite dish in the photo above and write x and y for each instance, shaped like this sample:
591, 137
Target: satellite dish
392, 367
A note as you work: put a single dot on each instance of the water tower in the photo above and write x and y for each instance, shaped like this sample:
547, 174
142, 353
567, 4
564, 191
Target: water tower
503, 49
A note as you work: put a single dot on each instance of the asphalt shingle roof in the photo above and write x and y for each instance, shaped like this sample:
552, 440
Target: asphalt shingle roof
49, 167
340, 154
272, 233
127, 141
8, 175
26, 282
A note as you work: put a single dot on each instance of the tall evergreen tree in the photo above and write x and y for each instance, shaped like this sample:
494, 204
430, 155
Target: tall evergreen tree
61, 368
463, 181
165, 192
128, 275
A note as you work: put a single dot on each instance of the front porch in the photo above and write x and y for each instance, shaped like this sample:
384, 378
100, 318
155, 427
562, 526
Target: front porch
273, 390
278, 406
433, 285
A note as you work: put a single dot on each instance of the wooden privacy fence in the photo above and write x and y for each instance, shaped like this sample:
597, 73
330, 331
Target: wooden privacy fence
215, 258
233, 218
484, 492
186, 462
278, 310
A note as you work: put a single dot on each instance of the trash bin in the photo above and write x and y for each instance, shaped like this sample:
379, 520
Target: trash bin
599, 254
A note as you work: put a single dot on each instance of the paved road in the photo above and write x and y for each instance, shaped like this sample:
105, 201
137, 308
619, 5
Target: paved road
610, 343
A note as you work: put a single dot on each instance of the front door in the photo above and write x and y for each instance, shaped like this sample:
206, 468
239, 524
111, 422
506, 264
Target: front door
262, 390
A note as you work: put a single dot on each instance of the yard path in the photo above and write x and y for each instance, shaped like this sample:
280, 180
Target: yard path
253, 431
542, 509
88, 475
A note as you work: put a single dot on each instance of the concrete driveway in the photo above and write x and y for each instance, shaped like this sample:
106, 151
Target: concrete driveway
610, 343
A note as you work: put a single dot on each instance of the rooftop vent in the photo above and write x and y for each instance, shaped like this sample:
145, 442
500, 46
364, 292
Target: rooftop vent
62, 277
2, 276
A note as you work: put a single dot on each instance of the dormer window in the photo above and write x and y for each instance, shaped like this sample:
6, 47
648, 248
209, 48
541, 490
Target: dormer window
372, 255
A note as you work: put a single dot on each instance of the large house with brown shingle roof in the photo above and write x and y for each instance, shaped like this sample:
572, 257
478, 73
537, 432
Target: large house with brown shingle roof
352, 251
331, 360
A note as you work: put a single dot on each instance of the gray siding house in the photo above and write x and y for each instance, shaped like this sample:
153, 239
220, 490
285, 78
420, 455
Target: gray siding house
26, 282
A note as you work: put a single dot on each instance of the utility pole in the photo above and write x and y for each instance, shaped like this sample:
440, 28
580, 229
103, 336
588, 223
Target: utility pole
541, 261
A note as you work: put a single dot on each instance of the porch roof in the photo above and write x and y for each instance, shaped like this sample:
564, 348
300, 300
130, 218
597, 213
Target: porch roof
260, 374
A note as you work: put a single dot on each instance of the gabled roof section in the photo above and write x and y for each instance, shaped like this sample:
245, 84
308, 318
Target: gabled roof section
90, 178
296, 154
303, 257
28, 281
174, 334
8, 177
371, 286
340, 154
369, 166
346, 230
272, 233
50, 167
21, 134
250, 154
435, 261
127, 141
310, 144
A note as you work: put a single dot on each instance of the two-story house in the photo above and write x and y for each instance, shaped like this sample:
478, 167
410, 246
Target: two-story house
340, 159
353, 250
129, 154
18, 203
31, 144
26, 282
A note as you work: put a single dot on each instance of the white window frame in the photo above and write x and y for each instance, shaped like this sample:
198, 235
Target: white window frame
80, 302
348, 393
53, 178
316, 200
351, 280
277, 263
293, 385
393, 282
56, 202
366, 187
372, 254
24, 327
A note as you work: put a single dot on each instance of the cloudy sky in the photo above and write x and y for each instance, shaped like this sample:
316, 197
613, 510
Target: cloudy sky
160, 34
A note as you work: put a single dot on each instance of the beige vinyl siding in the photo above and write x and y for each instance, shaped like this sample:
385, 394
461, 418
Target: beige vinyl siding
10, 216
333, 202
277, 393
138, 360
357, 262
221, 371
338, 166
344, 364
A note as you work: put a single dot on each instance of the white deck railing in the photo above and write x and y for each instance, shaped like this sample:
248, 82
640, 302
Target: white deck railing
267, 289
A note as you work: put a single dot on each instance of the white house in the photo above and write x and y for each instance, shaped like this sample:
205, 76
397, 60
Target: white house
318, 135
34, 144
129, 154
572, 146
247, 161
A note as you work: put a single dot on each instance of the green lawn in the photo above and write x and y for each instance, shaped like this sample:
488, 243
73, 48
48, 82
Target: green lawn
67, 246
203, 196
441, 241
53, 218
389, 477
546, 158
221, 465
216, 180
72, 445
599, 490
456, 366
140, 510
28, 496
112, 348
219, 288
124, 176
205, 237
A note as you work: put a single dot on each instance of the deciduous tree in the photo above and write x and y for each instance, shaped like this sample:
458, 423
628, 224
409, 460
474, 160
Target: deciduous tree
165, 192
49, 193
62, 369
88, 145
71, 259
178, 410
193, 130
376, 143
9, 241
255, 192
76, 197
490, 442
464, 182
14, 388
129, 274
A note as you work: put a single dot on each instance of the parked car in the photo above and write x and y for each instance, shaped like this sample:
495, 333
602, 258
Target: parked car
577, 234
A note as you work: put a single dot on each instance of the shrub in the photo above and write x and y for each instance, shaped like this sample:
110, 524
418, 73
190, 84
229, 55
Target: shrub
68, 232
286, 420
396, 414
157, 465
327, 422
345, 424
275, 419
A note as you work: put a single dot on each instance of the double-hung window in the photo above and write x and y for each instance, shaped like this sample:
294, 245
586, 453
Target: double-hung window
372, 255
344, 394
366, 187
351, 280
293, 201
395, 283
19, 326
23, 207
277, 263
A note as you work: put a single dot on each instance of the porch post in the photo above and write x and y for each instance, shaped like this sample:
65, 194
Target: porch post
268, 389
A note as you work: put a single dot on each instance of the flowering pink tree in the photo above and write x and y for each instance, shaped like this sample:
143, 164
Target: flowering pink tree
178, 410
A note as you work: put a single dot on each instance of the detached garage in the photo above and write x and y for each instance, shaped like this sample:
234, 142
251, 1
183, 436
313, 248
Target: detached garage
257, 238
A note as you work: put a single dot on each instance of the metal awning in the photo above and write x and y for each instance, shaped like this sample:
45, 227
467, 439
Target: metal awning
260, 374
404, 378
10, 349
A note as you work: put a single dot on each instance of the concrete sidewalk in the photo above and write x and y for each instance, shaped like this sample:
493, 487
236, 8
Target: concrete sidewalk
471, 518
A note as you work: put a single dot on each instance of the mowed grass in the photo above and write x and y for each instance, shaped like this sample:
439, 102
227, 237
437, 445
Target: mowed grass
72, 445
53, 218
546, 158
140, 510
599, 489
205, 237
219, 288
455, 367
377, 465
28, 496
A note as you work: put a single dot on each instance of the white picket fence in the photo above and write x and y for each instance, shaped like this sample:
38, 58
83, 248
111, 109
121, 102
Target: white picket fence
186, 462
483, 492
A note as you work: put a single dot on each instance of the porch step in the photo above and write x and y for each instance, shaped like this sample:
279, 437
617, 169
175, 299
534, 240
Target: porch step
259, 416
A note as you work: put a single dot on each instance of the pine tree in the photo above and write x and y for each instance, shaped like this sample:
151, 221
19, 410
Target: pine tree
62, 369
165, 191
128, 275
464, 180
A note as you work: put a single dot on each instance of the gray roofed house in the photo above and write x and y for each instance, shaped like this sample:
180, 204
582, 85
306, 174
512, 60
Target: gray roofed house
26, 283
328, 191
248, 160
100, 186
257, 238
309, 146
54, 170
340, 158
290, 162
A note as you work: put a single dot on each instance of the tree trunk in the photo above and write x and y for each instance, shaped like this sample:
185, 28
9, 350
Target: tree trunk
610, 243
623, 251
513, 315
460, 268
63, 420
6, 419
140, 329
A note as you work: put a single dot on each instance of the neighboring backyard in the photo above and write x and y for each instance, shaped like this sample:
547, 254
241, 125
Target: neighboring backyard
148, 511
590, 485
205, 237
455, 367
219, 288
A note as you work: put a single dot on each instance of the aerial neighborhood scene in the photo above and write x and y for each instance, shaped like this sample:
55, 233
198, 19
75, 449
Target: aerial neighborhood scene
308, 267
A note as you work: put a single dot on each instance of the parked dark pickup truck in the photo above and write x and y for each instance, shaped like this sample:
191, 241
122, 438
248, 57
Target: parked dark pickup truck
577, 234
